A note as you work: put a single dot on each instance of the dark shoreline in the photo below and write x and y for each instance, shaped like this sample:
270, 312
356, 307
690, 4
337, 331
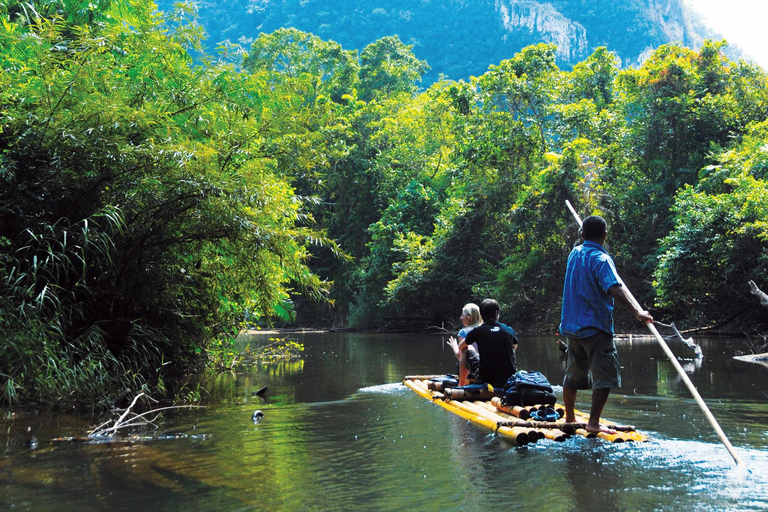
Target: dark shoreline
432, 331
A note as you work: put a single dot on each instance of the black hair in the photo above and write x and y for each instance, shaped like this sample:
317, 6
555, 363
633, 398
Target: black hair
489, 310
593, 228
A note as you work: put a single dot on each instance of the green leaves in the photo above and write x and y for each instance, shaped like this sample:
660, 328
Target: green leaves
316, 68
146, 200
719, 238
388, 66
150, 203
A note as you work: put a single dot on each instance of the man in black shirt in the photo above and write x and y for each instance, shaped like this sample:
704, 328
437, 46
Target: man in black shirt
496, 344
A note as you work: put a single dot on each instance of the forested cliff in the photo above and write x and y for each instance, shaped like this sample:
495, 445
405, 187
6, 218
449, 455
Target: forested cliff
461, 38
155, 200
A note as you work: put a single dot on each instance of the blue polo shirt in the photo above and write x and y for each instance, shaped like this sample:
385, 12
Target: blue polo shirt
587, 307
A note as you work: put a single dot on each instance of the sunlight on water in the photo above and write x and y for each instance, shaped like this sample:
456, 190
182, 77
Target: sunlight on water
708, 469
337, 434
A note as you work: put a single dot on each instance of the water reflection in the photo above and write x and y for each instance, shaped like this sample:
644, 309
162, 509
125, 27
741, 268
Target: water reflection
692, 365
340, 432
591, 480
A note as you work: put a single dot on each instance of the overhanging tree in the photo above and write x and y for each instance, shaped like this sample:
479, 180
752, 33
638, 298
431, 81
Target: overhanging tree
146, 200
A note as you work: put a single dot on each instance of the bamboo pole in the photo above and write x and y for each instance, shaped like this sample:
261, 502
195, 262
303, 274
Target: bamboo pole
678, 367
490, 421
515, 410
533, 434
466, 411
467, 394
423, 377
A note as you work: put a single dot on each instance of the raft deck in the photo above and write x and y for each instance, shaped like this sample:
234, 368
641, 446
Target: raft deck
515, 423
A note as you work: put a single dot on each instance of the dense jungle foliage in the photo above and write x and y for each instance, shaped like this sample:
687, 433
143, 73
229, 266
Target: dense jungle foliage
151, 203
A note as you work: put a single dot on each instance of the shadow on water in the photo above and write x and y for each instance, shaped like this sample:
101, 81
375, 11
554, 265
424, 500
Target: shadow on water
340, 432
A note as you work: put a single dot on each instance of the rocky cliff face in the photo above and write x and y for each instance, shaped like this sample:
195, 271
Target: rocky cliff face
574, 31
668, 16
546, 21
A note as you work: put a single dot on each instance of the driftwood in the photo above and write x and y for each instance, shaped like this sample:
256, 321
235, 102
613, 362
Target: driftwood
679, 337
130, 419
111, 430
754, 358
757, 292
439, 330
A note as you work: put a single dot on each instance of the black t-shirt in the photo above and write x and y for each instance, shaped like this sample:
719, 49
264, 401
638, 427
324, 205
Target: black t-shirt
495, 343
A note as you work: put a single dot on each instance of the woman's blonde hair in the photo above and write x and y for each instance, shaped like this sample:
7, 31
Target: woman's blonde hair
472, 311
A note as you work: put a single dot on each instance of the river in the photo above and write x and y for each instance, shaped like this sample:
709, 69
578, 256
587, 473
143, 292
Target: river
340, 432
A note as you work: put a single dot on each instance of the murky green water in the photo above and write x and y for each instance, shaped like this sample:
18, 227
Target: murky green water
341, 433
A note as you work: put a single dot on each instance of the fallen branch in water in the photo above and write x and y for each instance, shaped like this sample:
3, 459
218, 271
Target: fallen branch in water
679, 337
130, 419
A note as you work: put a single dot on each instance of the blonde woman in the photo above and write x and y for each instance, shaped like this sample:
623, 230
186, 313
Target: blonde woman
469, 360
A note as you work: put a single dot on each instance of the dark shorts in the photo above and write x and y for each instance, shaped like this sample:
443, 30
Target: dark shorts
473, 363
592, 362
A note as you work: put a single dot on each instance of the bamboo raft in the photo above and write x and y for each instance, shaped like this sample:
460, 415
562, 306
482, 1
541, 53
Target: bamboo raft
514, 424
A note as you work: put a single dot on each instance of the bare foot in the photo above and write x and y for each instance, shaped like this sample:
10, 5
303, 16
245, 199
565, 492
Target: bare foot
600, 429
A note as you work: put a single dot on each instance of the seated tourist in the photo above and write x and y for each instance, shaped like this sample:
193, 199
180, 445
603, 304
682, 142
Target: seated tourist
469, 360
496, 344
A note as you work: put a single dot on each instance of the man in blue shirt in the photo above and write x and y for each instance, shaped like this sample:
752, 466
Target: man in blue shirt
496, 344
591, 286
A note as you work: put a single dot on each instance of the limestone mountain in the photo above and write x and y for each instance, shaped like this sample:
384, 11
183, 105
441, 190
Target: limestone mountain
459, 38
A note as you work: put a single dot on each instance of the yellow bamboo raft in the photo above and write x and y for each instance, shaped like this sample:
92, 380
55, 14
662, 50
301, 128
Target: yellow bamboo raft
514, 423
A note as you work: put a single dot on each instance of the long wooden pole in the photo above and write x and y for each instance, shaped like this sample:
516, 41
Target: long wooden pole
677, 366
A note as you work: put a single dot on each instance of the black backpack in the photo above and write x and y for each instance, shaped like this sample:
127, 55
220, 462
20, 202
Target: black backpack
528, 388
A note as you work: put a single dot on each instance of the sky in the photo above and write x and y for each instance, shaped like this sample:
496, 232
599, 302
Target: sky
741, 22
